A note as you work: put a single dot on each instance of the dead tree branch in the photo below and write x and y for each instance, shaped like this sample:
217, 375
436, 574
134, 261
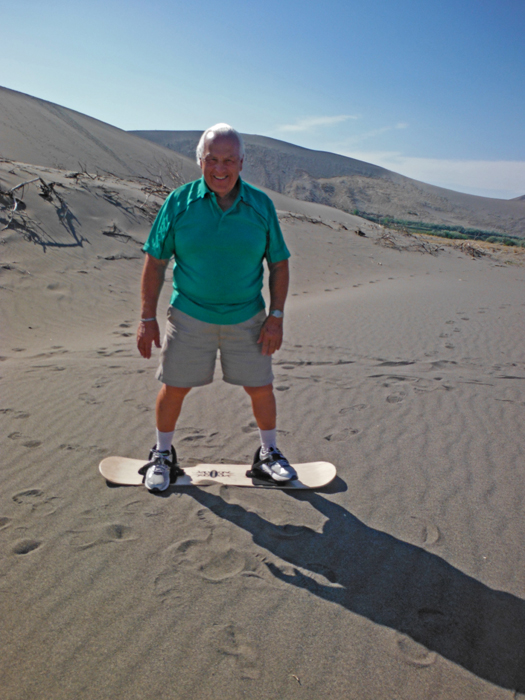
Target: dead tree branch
471, 249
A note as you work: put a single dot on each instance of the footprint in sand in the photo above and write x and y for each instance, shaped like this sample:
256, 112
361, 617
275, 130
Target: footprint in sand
192, 438
26, 546
103, 534
429, 533
442, 364
413, 653
222, 566
90, 449
14, 413
208, 556
342, 435
396, 398
26, 442
87, 398
36, 501
230, 641
4, 522
396, 363
172, 585
356, 407
250, 428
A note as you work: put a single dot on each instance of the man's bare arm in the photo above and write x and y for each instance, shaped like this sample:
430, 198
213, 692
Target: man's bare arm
151, 285
271, 335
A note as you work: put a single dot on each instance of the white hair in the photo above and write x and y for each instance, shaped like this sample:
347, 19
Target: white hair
219, 130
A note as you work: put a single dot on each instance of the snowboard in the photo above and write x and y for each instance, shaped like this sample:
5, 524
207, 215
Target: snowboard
130, 472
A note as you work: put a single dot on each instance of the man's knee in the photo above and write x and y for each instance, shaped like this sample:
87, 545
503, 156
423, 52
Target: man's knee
259, 391
174, 393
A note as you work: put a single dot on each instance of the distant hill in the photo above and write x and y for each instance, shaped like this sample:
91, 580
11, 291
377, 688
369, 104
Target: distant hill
353, 185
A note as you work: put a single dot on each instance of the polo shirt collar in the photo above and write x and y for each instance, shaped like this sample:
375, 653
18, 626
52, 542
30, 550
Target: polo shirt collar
203, 189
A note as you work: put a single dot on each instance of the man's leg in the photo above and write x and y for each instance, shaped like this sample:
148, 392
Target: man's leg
163, 456
168, 408
268, 459
263, 406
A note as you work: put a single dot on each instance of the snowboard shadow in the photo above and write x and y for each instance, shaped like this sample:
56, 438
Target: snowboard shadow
395, 584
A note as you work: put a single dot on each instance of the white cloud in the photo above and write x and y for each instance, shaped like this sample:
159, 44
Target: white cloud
311, 123
352, 140
504, 179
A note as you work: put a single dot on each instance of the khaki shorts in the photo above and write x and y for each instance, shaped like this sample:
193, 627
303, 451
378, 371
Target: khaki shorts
189, 352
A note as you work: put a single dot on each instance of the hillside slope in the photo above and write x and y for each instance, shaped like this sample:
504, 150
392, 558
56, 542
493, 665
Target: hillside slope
42, 133
350, 184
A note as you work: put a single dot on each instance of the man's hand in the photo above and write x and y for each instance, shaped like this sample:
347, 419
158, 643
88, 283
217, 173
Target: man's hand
147, 334
271, 335
151, 284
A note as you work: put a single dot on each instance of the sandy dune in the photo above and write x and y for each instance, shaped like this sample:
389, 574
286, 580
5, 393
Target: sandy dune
43, 133
403, 365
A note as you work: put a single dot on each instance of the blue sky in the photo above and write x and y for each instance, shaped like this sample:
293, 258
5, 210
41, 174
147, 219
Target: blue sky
434, 89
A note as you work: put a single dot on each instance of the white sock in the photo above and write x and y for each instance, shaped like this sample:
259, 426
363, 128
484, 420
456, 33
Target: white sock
164, 441
268, 438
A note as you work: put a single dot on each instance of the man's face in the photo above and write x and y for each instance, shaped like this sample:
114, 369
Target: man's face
221, 164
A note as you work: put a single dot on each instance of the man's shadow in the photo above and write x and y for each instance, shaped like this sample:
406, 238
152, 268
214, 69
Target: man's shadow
394, 584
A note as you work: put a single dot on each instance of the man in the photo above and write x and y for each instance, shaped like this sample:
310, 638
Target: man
219, 230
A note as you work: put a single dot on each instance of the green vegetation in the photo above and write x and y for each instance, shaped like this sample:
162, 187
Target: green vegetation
442, 230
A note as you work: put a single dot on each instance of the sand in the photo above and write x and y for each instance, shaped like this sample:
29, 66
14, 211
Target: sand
402, 364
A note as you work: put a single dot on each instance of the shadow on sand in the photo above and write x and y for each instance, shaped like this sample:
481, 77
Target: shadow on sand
394, 584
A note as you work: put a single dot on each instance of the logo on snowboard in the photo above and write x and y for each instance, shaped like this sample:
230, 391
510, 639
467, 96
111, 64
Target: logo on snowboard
213, 474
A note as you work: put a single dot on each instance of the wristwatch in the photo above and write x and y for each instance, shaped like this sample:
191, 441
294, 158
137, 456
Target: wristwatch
276, 313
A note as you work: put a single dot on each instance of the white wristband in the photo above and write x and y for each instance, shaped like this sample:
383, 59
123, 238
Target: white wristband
145, 320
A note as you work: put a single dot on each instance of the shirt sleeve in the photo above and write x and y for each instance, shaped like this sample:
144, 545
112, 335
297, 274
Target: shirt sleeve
161, 239
276, 249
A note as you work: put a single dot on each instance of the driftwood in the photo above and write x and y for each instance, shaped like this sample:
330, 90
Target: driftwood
415, 243
14, 200
47, 192
22, 185
471, 249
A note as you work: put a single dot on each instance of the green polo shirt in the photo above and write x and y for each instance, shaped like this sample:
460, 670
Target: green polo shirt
218, 271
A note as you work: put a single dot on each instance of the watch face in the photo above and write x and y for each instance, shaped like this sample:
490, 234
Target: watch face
276, 313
